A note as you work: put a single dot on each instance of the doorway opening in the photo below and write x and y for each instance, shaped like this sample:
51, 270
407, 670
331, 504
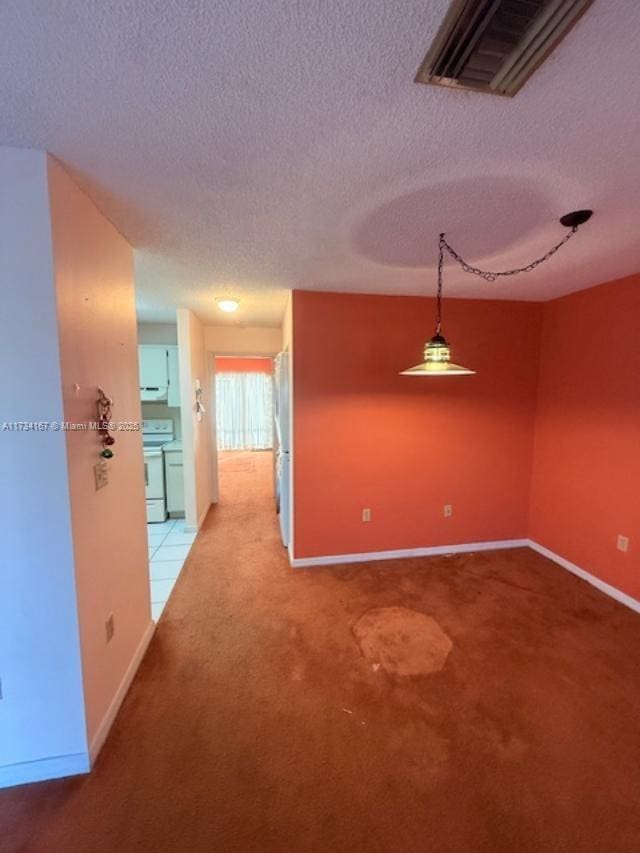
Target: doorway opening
169, 540
244, 417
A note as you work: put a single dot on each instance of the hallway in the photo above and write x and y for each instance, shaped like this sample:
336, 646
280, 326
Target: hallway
265, 717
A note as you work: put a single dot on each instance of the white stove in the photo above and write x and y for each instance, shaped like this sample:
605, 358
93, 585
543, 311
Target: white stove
155, 434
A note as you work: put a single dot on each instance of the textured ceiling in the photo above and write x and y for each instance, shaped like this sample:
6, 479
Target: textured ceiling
249, 147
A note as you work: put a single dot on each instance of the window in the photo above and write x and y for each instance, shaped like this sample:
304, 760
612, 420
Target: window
244, 411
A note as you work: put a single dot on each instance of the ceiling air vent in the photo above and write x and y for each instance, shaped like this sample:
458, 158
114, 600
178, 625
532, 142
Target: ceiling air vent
496, 45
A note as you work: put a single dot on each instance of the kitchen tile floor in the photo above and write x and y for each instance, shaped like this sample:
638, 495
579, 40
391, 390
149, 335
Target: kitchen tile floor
169, 545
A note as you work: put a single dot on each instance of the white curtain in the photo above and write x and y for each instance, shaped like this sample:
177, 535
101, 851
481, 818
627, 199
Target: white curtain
244, 411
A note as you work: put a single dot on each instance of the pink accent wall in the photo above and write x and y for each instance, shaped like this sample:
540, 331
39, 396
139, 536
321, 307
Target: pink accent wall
543, 443
586, 467
404, 446
226, 364
93, 268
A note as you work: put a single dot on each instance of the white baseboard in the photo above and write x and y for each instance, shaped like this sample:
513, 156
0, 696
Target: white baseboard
112, 712
190, 528
603, 586
46, 768
205, 512
465, 548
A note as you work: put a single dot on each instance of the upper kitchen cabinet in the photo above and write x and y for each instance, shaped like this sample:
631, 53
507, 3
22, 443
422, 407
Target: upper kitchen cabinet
159, 374
173, 395
154, 372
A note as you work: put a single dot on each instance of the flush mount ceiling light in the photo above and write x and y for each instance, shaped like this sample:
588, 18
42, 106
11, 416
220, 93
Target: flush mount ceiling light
228, 305
437, 352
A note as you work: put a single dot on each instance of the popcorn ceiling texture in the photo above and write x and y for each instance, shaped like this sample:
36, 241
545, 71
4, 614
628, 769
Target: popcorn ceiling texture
253, 147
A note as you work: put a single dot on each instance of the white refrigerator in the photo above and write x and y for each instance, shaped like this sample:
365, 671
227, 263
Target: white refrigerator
281, 417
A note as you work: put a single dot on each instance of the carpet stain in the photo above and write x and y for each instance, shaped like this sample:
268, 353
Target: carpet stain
403, 641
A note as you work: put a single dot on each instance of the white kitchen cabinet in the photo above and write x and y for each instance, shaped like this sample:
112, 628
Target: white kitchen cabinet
154, 368
173, 396
174, 480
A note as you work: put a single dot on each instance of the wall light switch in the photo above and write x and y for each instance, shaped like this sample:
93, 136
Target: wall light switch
366, 515
447, 510
622, 543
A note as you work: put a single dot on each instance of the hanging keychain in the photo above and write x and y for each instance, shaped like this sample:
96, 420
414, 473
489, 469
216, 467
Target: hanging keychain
104, 404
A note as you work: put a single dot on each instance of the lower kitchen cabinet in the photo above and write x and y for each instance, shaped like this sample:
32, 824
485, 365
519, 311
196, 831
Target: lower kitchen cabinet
174, 479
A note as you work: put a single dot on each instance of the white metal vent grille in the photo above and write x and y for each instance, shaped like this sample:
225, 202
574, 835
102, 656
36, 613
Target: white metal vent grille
496, 45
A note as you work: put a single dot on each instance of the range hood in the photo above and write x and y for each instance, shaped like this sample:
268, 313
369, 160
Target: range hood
154, 394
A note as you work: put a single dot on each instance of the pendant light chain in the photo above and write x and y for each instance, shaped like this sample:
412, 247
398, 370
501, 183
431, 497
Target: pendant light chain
441, 246
492, 276
437, 351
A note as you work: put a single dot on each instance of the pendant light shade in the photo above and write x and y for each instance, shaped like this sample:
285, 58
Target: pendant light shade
437, 361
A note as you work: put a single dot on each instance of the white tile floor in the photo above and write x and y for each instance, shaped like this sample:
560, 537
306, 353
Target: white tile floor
169, 545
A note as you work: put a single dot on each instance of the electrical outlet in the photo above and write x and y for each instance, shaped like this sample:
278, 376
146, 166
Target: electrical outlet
622, 543
109, 627
101, 473
447, 510
366, 514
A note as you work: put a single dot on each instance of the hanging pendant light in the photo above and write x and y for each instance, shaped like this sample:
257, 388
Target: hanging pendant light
437, 352
437, 361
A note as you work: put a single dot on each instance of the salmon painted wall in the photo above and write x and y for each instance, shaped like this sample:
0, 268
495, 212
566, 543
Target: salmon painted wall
405, 446
586, 469
93, 267
243, 365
